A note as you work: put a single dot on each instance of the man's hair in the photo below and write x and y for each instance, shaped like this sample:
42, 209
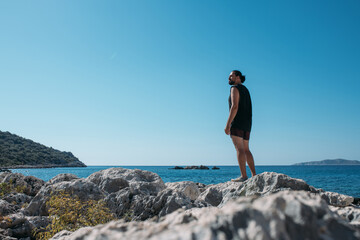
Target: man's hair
239, 74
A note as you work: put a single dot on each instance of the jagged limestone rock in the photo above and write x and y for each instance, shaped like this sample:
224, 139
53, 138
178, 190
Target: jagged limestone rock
283, 215
81, 188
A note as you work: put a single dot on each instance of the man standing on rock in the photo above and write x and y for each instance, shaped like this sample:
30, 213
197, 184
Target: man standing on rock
238, 125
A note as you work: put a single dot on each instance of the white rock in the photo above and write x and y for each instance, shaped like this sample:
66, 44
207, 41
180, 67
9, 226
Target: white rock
30, 184
190, 189
81, 188
62, 177
139, 181
6, 208
283, 215
349, 213
337, 199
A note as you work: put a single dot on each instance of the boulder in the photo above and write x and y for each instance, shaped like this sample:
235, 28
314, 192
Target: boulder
271, 182
190, 189
31, 185
264, 184
133, 194
63, 177
6, 208
337, 199
140, 181
12, 220
23, 230
261, 185
16, 225
140, 195
212, 195
283, 215
34, 185
169, 200
143, 207
81, 188
119, 202
18, 199
20, 226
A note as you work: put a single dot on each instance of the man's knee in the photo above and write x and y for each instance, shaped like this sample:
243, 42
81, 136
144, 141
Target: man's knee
241, 150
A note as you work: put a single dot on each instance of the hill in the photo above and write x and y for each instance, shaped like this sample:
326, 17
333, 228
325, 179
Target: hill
338, 161
18, 152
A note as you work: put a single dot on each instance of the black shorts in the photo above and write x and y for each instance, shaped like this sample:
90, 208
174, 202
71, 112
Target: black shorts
240, 133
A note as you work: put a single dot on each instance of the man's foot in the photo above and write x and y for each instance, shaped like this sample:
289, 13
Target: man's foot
239, 179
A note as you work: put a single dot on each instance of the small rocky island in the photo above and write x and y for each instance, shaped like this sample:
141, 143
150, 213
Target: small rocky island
136, 204
18, 152
338, 161
201, 167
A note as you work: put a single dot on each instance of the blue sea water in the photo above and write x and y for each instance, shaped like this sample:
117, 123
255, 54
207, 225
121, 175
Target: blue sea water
341, 179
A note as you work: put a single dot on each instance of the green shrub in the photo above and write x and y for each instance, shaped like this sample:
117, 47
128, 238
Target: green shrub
70, 213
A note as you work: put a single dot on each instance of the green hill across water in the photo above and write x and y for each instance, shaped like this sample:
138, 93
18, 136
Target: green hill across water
18, 152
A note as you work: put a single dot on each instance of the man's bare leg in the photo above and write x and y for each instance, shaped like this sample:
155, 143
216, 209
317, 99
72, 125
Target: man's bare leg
249, 158
241, 156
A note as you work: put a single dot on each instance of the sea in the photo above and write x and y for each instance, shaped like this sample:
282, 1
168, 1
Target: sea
344, 179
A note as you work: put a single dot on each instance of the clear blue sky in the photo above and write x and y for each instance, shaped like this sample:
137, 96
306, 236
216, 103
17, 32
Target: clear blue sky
145, 82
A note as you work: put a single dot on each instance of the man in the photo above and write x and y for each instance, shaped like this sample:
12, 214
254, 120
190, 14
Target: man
238, 125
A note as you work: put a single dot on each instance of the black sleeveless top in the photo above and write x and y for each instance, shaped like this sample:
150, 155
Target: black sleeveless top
243, 118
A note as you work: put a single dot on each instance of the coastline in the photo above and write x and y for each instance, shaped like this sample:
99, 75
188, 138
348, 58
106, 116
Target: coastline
325, 177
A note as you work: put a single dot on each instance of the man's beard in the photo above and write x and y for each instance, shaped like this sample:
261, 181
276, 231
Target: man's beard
231, 82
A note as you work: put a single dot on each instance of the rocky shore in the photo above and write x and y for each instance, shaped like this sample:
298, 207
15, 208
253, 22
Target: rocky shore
267, 206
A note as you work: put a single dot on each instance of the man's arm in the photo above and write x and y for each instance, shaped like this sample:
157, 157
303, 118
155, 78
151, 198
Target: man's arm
235, 96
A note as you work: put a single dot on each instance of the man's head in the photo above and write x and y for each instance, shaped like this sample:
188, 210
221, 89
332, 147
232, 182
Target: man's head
236, 77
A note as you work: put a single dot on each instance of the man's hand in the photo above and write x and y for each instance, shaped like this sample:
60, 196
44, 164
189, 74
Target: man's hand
227, 130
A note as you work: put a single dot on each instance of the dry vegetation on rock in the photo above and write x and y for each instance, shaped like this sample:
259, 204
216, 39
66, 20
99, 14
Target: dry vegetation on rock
71, 213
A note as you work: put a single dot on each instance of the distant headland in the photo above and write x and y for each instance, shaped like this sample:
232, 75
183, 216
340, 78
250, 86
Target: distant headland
338, 161
18, 152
